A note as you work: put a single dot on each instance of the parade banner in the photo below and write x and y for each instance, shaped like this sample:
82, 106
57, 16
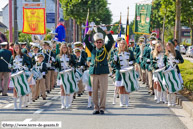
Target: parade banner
142, 18
34, 21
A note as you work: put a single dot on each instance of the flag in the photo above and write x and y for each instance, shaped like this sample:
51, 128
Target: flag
86, 30
127, 29
142, 18
34, 21
119, 30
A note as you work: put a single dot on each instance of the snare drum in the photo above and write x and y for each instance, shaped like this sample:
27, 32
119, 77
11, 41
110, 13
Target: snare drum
20, 83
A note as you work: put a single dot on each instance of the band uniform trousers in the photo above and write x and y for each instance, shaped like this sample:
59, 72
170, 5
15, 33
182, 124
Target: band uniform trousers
40, 88
139, 71
147, 78
99, 82
4, 77
80, 86
52, 80
150, 80
48, 80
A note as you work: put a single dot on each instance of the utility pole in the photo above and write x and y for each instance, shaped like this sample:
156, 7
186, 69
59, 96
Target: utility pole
10, 22
15, 22
56, 12
178, 22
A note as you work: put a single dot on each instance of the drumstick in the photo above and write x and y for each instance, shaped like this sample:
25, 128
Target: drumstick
4, 60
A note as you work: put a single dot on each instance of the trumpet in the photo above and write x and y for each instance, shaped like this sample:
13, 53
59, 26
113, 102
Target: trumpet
101, 25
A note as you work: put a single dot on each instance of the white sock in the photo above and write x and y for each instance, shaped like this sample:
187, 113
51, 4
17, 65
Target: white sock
15, 102
20, 102
126, 100
62, 102
158, 96
89, 101
155, 94
169, 99
67, 101
121, 99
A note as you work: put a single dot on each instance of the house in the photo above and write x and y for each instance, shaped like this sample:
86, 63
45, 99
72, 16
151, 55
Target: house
50, 11
3, 28
1, 16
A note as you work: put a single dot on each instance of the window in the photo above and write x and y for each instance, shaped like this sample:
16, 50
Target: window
32, 1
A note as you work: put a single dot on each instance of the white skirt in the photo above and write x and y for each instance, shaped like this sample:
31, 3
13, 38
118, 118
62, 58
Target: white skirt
155, 78
88, 88
119, 83
32, 82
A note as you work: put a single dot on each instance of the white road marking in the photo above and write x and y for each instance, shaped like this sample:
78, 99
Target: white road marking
38, 111
55, 97
27, 120
48, 104
9, 105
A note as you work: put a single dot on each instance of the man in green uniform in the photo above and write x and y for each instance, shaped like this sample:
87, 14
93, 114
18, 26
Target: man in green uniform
5, 54
99, 69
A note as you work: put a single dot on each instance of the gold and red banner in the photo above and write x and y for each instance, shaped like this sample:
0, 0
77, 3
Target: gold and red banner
34, 21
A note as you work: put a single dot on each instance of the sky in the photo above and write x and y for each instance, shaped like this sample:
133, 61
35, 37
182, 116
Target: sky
116, 6
3, 3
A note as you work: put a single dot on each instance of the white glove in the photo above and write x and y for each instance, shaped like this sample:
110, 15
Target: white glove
25, 68
130, 62
159, 65
81, 67
103, 27
177, 61
92, 24
53, 59
115, 58
9, 66
148, 60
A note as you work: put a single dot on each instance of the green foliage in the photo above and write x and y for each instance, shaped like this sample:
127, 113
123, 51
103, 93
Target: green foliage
187, 12
156, 17
77, 9
24, 37
169, 33
116, 28
186, 70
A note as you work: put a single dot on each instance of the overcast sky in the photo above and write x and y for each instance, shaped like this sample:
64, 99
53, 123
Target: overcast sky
116, 6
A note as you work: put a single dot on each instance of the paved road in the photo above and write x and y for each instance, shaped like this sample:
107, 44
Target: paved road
142, 113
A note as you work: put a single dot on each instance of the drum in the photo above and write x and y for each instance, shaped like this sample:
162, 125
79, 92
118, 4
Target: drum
78, 75
158, 76
48, 65
37, 75
130, 80
20, 83
172, 80
68, 81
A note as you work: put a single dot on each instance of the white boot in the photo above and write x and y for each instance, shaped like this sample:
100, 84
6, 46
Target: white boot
62, 102
67, 101
20, 102
15, 103
164, 97
173, 99
121, 100
70, 99
30, 98
158, 96
126, 100
155, 94
25, 101
89, 101
114, 97
169, 100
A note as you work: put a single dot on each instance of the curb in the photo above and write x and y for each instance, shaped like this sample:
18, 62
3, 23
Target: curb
186, 104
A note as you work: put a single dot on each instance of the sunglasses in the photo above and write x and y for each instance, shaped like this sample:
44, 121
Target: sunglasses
99, 42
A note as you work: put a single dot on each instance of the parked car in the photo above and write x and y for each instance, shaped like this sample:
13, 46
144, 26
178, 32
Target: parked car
182, 49
189, 52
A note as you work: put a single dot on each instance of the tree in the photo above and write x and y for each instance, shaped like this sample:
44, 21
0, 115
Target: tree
186, 15
77, 9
